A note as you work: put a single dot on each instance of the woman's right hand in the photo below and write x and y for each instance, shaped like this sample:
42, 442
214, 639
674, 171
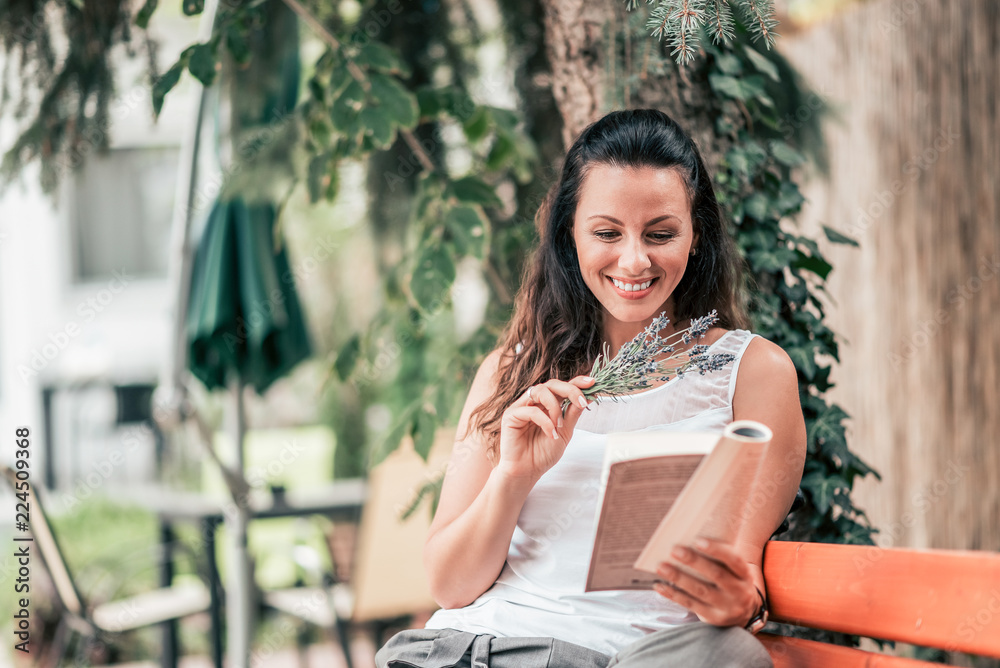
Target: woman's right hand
534, 432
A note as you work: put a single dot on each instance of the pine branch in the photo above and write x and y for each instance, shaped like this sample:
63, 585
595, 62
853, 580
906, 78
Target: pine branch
761, 19
681, 21
723, 29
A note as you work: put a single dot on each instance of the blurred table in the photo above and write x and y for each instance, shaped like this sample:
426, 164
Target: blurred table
340, 501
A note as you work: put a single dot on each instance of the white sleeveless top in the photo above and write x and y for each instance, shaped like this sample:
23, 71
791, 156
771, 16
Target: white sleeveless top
540, 591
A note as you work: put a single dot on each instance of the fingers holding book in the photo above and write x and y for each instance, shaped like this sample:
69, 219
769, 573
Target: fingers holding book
712, 580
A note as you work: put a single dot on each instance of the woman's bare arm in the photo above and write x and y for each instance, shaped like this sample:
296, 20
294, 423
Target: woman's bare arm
469, 538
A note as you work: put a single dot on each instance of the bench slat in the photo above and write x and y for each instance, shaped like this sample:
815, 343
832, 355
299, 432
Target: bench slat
939, 598
800, 653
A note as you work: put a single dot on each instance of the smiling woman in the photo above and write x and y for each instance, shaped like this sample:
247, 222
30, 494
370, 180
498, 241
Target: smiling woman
632, 229
633, 264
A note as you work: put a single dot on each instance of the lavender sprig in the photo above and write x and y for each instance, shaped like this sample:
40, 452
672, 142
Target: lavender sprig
636, 365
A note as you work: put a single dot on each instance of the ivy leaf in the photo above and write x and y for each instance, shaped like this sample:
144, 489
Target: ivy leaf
236, 42
378, 126
785, 154
771, 260
826, 429
822, 489
379, 57
347, 357
838, 238
345, 109
813, 263
424, 428
432, 278
790, 200
458, 103
756, 206
431, 488
202, 63
145, 13
394, 436
738, 161
762, 64
472, 190
315, 174
169, 79
743, 88
502, 152
504, 118
468, 229
333, 185
339, 80
477, 125
399, 104
430, 102
803, 360
729, 64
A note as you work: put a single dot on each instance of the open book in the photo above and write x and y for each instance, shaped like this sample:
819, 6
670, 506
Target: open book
663, 488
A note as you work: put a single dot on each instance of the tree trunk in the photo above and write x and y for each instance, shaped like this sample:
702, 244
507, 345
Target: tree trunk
598, 65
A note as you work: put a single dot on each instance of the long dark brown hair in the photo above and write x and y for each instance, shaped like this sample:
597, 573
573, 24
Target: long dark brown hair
557, 325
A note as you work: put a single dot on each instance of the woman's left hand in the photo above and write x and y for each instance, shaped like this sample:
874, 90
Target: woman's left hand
724, 594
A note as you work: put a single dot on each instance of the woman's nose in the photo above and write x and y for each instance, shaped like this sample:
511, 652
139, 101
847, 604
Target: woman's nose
634, 258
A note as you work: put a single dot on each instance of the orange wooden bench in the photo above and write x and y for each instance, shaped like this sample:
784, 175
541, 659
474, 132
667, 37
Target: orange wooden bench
947, 599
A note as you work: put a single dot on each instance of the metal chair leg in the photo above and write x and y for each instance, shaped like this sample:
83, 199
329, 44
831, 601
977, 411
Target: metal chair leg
343, 629
53, 656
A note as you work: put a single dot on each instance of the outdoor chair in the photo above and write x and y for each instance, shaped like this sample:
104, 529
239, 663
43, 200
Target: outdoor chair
386, 585
114, 617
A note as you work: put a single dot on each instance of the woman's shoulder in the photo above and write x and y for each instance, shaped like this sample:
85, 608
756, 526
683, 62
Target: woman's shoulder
489, 367
764, 361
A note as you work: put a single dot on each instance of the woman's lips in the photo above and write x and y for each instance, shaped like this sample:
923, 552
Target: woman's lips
633, 294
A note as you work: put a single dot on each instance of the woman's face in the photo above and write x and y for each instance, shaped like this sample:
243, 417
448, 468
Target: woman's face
633, 235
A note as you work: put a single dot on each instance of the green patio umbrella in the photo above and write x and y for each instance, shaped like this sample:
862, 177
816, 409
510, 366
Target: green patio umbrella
243, 315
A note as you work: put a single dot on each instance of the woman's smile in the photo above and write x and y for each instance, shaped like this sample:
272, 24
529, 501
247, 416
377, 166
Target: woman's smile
633, 288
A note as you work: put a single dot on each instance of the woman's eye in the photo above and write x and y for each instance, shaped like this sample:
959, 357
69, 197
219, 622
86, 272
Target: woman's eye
661, 236
606, 234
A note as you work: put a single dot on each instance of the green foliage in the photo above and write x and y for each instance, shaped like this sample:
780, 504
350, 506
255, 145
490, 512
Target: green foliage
755, 183
58, 78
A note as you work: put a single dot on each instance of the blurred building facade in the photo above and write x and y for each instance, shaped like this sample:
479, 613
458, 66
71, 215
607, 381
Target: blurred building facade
85, 299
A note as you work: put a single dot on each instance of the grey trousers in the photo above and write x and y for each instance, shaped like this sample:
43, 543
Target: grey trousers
688, 646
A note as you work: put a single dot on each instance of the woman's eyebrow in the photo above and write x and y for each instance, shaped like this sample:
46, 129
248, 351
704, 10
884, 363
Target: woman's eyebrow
614, 220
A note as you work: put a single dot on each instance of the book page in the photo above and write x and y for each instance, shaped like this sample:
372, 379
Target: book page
638, 494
